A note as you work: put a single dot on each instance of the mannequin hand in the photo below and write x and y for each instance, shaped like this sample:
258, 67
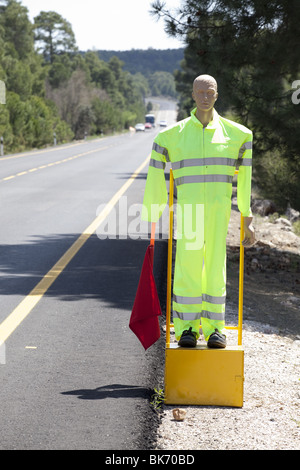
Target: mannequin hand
249, 239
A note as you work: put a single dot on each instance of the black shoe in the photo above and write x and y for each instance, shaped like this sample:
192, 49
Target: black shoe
188, 339
216, 340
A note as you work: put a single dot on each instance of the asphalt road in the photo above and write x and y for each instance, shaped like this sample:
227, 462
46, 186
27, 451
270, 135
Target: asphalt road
73, 375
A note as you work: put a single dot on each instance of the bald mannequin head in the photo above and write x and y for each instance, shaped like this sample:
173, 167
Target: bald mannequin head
205, 94
205, 79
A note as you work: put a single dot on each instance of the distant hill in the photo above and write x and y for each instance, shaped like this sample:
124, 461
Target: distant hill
147, 61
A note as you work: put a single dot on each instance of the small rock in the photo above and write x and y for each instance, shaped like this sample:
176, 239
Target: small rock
179, 414
294, 300
254, 263
292, 214
283, 221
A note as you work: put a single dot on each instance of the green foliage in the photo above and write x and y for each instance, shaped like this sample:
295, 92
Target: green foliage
279, 178
296, 227
53, 35
32, 123
18, 77
157, 67
98, 97
5, 127
157, 399
38, 125
162, 84
149, 107
60, 70
51, 87
147, 61
27, 120
17, 29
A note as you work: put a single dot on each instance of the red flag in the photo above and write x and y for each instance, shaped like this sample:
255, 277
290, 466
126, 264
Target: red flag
146, 308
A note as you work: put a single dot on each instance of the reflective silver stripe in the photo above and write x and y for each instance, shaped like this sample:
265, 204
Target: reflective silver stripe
187, 300
214, 299
213, 315
161, 150
157, 164
203, 179
187, 316
203, 161
246, 162
245, 146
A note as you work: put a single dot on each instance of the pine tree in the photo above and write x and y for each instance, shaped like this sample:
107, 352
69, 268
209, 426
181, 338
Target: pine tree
251, 47
53, 34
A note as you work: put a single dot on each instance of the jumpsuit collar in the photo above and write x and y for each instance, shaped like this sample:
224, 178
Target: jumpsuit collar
211, 125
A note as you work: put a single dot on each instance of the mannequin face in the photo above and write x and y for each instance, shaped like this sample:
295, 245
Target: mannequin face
205, 92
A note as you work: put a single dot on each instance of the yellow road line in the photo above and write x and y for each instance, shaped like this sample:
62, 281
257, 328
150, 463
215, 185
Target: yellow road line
8, 178
22, 173
29, 302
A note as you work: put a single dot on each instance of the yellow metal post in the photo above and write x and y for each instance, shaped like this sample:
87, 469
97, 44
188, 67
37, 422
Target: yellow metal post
241, 283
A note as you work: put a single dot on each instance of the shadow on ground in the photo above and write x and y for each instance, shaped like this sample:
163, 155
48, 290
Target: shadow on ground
107, 270
111, 391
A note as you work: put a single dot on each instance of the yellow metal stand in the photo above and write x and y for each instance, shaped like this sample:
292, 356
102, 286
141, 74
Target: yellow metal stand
203, 376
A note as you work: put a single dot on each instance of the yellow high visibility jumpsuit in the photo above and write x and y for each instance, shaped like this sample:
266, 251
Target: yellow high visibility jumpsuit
203, 161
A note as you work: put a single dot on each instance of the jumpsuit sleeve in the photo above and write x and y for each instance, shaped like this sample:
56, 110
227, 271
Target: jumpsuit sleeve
155, 196
244, 177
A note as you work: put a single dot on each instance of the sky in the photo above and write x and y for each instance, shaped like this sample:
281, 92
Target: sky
110, 24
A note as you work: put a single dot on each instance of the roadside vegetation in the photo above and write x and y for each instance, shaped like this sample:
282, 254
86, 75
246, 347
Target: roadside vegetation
55, 91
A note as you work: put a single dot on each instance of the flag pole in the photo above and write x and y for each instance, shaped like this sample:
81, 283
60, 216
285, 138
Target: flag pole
152, 240
152, 233
169, 268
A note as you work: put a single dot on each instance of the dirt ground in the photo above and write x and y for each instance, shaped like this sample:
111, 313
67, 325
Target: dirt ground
271, 275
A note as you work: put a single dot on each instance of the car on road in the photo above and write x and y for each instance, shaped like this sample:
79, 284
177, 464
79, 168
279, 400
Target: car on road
148, 125
163, 123
139, 127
